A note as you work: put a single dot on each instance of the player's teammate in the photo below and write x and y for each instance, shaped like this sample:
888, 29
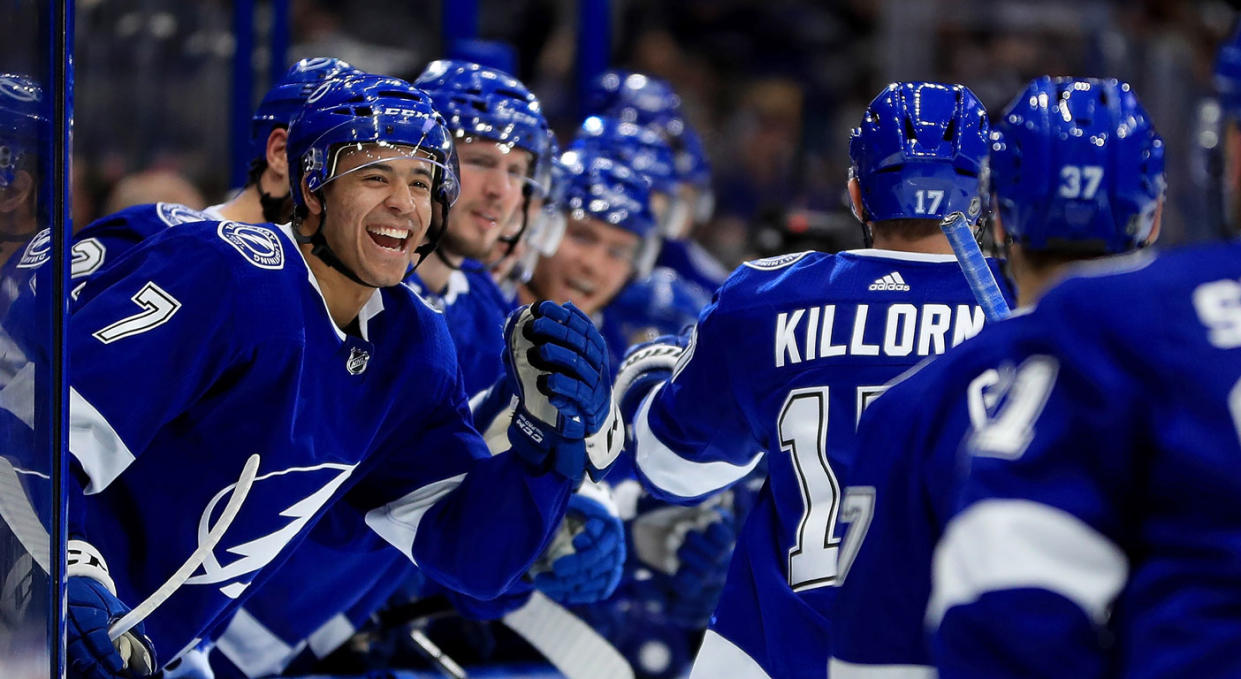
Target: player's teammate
1098, 517
787, 356
213, 342
1076, 173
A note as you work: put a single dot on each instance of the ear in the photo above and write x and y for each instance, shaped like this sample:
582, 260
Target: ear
855, 200
277, 149
1157, 225
17, 193
313, 204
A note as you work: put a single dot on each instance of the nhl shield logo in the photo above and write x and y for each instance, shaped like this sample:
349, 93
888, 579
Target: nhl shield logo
358, 358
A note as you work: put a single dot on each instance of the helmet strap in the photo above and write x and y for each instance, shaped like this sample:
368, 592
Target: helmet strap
319, 248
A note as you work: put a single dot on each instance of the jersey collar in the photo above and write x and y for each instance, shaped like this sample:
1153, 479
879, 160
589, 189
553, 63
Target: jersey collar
371, 309
901, 255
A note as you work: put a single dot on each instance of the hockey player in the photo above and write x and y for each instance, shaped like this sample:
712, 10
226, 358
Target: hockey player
297, 346
1097, 521
502, 139
1076, 174
786, 357
651, 103
21, 123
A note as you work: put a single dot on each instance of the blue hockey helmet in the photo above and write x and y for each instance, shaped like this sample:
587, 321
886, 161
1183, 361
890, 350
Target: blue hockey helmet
1228, 74
286, 97
484, 103
22, 122
367, 112
920, 152
638, 147
1077, 166
633, 98
600, 186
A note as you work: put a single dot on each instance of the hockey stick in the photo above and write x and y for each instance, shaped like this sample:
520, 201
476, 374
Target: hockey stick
159, 596
974, 266
572, 646
441, 660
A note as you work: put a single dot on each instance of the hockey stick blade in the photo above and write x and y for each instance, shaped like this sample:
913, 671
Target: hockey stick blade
974, 266
159, 596
572, 646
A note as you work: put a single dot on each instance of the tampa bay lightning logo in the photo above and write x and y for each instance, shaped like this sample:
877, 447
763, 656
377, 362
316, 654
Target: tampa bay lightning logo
173, 214
37, 251
777, 262
257, 244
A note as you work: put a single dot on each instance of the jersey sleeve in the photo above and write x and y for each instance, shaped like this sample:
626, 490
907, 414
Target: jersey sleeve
885, 558
151, 340
1037, 540
692, 435
471, 521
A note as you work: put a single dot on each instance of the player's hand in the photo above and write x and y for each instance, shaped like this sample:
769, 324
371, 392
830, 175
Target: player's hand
701, 567
91, 655
565, 419
646, 365
586, 558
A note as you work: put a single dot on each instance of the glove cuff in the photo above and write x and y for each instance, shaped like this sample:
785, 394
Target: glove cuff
85, 561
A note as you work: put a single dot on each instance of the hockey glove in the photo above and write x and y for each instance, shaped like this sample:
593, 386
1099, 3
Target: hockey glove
565, 419
586, 558
645, 366
92, 607
702, 566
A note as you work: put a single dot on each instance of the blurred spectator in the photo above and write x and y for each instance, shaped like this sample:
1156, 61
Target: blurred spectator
153, 186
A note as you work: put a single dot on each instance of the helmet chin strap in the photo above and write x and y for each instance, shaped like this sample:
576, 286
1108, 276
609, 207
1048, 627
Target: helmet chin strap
320, 248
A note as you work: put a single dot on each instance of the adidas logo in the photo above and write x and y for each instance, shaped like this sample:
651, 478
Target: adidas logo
892, 281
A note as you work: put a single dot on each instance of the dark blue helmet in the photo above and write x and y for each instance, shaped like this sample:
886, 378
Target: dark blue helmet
286, 97
633, 98
920, 152
1228, 75
22, 122
1077, 166
600, 186
638, 147
370, 109
483, 103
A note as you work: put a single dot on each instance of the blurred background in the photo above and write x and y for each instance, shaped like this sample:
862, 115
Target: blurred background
772, 85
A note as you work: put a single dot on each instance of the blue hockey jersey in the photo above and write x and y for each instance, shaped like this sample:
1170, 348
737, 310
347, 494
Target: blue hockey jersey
782, 363
162, 425
900, 493
475, 309
1098, 532
693, 263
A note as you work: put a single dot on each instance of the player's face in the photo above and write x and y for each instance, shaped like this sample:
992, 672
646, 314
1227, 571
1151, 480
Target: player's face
492, 180
378, 212
591, 265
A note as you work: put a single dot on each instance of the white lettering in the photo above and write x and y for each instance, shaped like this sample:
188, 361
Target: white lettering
786, 340
826, 348
1219, 308
905, 316
935, 321
857, 346
969, 323
812, 332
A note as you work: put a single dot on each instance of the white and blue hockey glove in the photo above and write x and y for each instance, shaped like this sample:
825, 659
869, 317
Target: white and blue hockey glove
93, 606
646, 365
586, 558
565, 419
691, 548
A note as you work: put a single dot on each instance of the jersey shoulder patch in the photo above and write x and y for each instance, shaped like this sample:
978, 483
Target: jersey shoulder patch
258, 244
37, 251
776, 262
174, 214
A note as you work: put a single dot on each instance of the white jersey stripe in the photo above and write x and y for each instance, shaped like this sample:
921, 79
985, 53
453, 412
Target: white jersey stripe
719, 657
397, 522
254, 649
674, 474
997, 545
95, 444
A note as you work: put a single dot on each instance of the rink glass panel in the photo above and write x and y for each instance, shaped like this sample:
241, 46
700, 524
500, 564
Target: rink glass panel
33, 162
